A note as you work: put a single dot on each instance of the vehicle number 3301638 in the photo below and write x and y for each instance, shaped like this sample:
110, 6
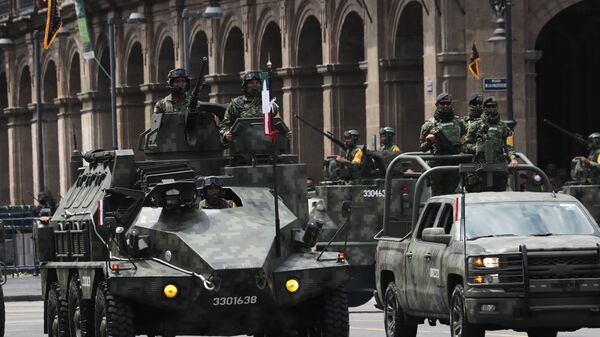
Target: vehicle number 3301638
234, 300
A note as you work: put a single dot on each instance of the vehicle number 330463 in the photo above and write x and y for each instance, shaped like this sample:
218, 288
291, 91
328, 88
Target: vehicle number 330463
373, 193
234, 300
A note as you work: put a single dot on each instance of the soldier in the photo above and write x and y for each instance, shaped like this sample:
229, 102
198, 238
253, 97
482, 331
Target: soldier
212, 191
247, 105
178, 100
386, 136
490, 141
353, 157
475, 109
591, 163
442, 135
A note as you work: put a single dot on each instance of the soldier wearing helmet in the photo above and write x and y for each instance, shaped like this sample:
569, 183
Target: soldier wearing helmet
212, 192
490, 141
475, 109
443, 135
178, 100
247, 105
386, 137
592, 161
353, 157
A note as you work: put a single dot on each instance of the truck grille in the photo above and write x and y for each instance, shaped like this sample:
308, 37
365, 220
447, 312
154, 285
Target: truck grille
563, 265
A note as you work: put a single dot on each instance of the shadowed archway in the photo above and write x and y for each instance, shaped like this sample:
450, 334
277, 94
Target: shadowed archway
25, 88
131, 119
199, 50
50, 111
166, 59
4, 175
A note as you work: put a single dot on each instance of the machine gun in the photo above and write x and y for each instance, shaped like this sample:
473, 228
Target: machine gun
575, 136
199, 85
327, 134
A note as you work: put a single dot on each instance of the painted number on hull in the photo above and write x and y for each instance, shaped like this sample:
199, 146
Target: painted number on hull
86, 281
373, 193
235, 300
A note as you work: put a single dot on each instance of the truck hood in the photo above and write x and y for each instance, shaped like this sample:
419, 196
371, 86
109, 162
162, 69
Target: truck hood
510, 244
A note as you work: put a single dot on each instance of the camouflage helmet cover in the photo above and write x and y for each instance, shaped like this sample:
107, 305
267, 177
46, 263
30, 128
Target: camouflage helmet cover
388, 129
176, 73
354, 134
249, 76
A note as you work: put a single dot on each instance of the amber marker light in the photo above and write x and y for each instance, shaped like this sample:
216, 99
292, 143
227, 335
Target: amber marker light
478, 279
170, 291
115, 267
292, 285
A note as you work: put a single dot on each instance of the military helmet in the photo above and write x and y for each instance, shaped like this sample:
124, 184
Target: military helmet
594, 139
176, 73
443, 97
388, 129
212, 181
249, 76
354, 134
490, 102
476, 98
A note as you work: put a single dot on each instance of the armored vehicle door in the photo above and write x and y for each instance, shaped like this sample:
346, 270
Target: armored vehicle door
418, 261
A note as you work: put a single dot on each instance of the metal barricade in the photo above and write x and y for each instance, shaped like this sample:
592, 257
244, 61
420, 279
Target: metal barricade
17, 251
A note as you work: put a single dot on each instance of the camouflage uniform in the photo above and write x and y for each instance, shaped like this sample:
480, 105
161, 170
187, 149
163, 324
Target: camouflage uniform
391, 148
453, 129
387, 143
475, 109
223, 203
171, 105
241, 107
493, 130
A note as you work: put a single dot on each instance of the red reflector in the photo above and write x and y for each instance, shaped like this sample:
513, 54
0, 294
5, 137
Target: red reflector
341, 257
405, 189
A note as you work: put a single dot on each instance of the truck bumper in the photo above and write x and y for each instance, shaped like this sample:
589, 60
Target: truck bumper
560, 313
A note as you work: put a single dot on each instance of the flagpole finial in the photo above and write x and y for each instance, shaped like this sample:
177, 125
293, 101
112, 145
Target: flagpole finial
269, 64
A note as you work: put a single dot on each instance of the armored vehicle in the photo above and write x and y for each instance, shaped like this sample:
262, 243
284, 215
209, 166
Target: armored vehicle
527, 261
129, 251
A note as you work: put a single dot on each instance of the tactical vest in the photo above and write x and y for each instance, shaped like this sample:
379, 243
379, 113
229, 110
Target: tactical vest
496, 138
451, 130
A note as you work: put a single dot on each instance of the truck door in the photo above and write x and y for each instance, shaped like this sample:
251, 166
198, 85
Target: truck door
418, 262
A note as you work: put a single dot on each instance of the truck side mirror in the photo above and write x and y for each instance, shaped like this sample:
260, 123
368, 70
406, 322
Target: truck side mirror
346, 208
436, 234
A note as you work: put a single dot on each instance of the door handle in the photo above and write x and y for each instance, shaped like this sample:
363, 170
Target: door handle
409, 255
428, 256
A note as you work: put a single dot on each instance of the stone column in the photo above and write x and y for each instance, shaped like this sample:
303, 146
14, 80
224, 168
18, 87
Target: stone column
153, 92
4, 167
303, 95
403, 97
343, 100
96, 129
50, 149
224, 87
130, 118
19, 155
69, 129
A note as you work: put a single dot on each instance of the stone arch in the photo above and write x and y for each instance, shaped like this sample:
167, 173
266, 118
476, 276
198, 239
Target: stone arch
308, 98
134, 73
233, 52
3, 92
49, 89
102, 79
307, 10
199, 49
74, 76
540, 12
166, 57
351, 46
130, 99
270, 44
24, 96
567, 83
348, 10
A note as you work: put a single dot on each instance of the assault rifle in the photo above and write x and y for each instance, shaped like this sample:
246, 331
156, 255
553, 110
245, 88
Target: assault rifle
327, 134
444, 145
575, 136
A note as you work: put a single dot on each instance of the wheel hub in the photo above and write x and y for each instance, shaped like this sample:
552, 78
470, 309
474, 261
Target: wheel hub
390, 316
457, 318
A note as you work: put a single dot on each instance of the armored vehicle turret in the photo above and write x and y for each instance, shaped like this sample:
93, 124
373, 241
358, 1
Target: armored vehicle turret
130, 252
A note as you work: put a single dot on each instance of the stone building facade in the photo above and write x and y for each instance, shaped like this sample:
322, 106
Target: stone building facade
341, 64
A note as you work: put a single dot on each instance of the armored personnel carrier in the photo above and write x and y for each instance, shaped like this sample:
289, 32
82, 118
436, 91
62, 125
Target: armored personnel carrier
129, 252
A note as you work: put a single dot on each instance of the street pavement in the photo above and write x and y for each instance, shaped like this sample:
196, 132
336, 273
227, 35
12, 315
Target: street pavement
23, 288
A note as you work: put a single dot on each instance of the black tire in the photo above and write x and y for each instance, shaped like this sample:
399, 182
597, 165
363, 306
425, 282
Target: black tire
2, 312
113, 317
459, 326
395, 322
56, 313
336, 320
80, 319
542, 333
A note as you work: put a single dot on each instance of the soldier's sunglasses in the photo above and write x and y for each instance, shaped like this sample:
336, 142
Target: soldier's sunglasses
445, 103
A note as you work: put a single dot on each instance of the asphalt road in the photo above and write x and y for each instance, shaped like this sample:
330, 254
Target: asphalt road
25, 319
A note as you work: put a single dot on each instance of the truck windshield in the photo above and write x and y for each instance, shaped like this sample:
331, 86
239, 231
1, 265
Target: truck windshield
532, 218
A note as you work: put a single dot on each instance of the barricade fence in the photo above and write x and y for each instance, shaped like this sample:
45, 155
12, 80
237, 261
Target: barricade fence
18, 251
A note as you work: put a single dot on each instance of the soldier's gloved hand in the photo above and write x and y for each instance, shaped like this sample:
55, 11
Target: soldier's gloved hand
584, 161
340, 159
430, 138
289, 135
513, 165
228, 136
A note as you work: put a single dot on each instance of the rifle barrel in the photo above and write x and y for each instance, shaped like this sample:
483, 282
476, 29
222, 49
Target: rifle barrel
566, 132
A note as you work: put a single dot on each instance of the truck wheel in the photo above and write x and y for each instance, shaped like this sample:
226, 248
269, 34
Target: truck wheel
2, 312
542, 333
336, 317
459, 327
56, 313
396, 324
112, 316
79, 310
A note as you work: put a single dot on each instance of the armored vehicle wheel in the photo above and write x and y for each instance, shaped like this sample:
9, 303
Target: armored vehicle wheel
79, 310
112, 316
2, 313
56, 313
396, 323
459, 327
542, 333
335, 315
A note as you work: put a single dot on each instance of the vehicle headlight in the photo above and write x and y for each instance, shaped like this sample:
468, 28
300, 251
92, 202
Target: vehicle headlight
170, 290
292, 285
486, 279
486, 262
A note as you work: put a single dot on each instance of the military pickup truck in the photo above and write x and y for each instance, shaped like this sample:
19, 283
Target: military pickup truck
494, 260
